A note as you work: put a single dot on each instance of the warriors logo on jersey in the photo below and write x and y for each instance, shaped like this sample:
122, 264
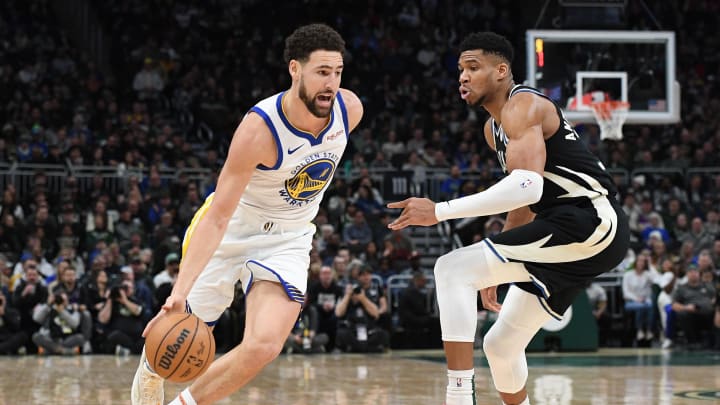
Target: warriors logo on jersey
309, 179
292, 189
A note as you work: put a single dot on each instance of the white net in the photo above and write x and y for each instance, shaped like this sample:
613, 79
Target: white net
611, 116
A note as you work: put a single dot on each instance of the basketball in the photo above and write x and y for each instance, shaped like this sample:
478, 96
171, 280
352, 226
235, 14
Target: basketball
179, 347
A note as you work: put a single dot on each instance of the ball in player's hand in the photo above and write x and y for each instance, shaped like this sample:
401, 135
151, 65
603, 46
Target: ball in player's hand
179, 347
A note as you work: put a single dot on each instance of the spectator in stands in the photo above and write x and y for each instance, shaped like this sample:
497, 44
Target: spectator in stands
305, 337
398, 247
148, 82
416, 312
137, 273
700, 237
60, 326
450, 187
165, 280
324, 294
637, 293
123, 318
359, 313
357, 234
12, 336
693, 304
598, 304
28, 293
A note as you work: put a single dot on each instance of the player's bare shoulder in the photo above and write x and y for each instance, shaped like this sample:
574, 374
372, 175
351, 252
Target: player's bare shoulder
254, 134
522, 111
354, 107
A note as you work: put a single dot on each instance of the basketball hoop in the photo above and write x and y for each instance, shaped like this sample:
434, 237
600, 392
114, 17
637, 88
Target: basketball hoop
611, 116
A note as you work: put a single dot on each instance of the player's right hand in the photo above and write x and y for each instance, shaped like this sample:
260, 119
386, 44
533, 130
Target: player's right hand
489, 299
173, 303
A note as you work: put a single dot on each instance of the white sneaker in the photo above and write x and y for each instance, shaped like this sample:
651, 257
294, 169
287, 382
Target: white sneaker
147, 387
666, 344
649, 335
640, 335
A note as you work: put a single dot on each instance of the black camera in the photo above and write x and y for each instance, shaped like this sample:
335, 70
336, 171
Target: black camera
357, 289
115, 291
59, 300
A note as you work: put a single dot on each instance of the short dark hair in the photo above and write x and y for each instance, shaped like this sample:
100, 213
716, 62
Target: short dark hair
489, 42
309, 38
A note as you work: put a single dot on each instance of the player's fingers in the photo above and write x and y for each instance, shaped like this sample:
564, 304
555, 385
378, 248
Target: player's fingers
400, 223
399, 204
152, 322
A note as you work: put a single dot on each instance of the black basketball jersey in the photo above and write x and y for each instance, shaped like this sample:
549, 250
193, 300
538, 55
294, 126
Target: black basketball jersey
575, 175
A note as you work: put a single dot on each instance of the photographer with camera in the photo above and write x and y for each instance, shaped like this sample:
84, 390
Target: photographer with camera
12, 336
59, 331
358, 312
123, 319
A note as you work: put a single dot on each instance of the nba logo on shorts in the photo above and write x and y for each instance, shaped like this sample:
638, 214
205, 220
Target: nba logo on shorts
525, 184
458, 382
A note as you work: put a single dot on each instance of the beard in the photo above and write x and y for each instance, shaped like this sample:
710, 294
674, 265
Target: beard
310, 102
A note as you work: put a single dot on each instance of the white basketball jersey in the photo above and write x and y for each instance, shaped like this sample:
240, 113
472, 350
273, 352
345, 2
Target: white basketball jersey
291, 191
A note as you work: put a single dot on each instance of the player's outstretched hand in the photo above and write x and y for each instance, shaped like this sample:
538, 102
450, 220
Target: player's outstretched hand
489, 299
173, 303
415, 211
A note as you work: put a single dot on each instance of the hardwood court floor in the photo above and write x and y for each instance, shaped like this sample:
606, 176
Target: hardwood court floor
619, 376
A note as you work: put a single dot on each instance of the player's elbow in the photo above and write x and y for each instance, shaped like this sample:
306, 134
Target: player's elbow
531, 184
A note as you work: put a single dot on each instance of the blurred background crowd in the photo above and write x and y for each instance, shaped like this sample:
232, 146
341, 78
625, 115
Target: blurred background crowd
113, 131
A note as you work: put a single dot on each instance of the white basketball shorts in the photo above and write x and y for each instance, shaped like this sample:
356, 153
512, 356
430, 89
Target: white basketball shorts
253, 248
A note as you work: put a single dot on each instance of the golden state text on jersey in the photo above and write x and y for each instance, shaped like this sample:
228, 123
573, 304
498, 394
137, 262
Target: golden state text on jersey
292, 189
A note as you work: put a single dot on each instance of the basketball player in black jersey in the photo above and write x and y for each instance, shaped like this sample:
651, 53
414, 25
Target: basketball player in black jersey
563, 225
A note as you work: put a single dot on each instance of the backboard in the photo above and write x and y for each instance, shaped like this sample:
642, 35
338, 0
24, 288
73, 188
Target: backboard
577, 67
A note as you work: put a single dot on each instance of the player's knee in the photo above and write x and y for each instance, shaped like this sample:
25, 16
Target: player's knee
492, 346
446, 269
263, 352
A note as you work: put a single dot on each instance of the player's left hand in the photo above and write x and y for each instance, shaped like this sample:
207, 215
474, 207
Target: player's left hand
489, 299
415, 211
173, 303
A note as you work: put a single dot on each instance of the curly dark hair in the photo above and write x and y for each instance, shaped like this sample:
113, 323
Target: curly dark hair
309, 38
489, 42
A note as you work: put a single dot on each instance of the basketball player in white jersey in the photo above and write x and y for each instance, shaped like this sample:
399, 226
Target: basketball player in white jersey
256, 226
563, 228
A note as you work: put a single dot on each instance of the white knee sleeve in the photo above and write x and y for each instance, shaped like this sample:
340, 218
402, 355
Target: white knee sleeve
504, 344
458, 276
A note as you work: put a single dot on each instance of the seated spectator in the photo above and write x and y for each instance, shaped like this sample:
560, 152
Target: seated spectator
12, 337
323, 295
60, 326
305, 338
637, 293
398, 247
165, 280
693, 304
357, 234
359, 313
124, 321
598, 304
28, 293
416, 315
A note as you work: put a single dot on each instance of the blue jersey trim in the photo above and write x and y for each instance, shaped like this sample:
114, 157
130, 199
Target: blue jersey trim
492, 249
292, 292
303, 134
278, 144
189, 311
343, 110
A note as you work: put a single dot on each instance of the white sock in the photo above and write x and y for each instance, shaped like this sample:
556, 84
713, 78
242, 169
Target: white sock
184, 398
460, 388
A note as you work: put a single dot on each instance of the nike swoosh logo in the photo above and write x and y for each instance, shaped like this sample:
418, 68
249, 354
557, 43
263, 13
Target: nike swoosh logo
291, 151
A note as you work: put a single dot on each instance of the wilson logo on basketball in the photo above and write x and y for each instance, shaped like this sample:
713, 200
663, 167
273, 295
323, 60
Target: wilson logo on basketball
172, 350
